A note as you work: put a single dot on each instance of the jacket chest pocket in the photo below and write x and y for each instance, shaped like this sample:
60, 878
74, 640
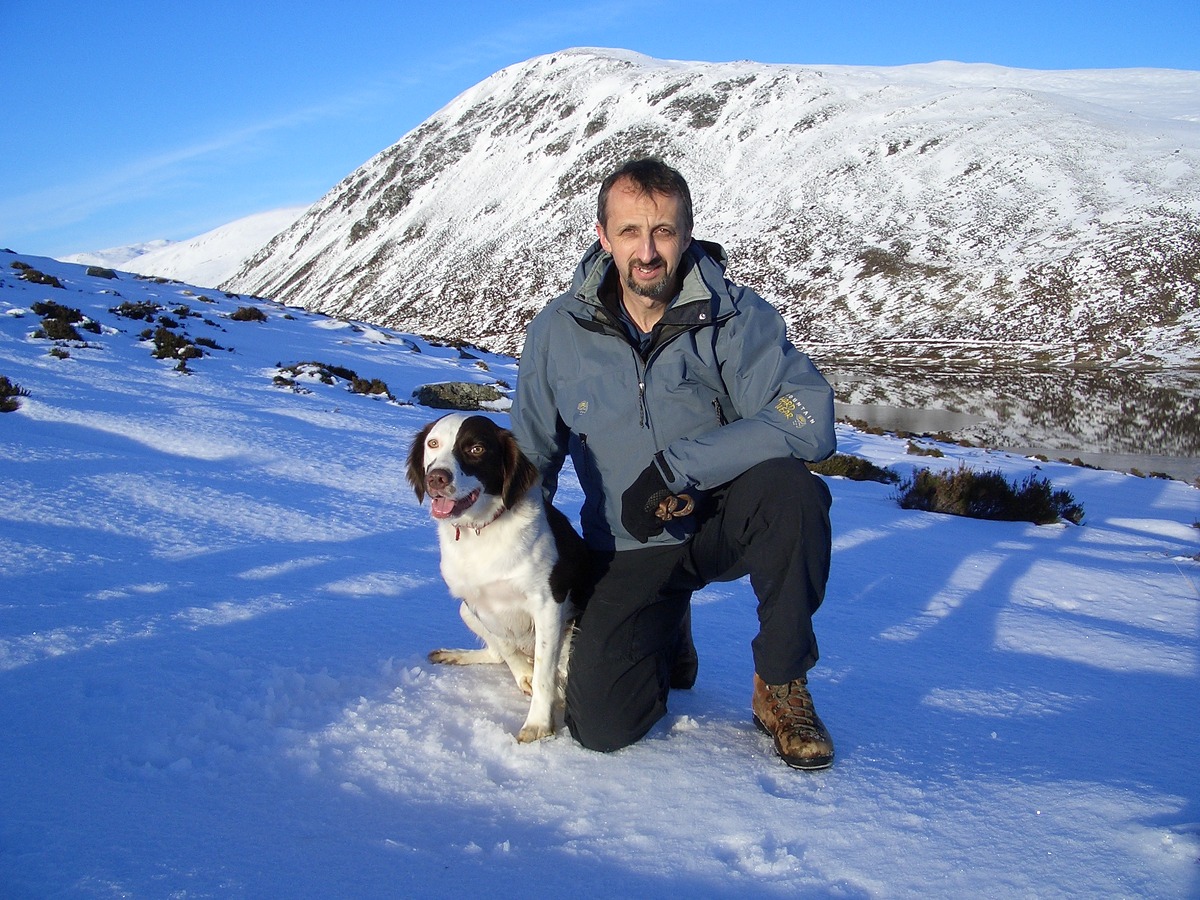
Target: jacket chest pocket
687, 379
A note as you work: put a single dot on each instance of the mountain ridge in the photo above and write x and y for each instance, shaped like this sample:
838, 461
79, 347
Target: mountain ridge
917, 211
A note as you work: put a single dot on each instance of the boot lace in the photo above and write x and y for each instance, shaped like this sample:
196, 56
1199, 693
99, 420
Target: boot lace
793, 707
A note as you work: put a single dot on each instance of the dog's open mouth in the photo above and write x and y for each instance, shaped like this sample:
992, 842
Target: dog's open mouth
446, 507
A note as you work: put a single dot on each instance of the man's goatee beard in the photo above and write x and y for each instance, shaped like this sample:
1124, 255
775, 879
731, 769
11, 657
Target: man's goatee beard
655, 290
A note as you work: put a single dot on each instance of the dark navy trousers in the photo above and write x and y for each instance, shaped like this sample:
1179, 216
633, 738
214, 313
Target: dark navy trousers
771, 523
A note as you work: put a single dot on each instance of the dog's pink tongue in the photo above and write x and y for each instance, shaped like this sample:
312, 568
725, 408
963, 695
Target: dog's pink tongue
441, 507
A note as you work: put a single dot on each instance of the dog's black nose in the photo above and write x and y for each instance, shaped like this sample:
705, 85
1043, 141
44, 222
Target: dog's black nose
437, 479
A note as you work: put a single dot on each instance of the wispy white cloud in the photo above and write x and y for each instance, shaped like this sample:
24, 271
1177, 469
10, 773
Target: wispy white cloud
74, 201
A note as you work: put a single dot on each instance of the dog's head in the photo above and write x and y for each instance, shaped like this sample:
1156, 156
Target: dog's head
470, 467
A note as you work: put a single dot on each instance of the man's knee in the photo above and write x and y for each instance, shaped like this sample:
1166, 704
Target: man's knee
602, 737
618, 677
606, 712
786, 480
781, 497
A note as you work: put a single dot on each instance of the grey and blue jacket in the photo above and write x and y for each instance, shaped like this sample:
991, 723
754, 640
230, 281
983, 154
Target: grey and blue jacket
718, 390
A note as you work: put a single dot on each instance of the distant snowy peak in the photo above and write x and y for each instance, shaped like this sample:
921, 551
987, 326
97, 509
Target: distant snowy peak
116, 257
214, 256
897, 211
206, 260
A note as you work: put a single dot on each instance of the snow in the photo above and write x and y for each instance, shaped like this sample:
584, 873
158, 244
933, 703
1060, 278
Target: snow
881, 208
117, 257
216, 597
207, 259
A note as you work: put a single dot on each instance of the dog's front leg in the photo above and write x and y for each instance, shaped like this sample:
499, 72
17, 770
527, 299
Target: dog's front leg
547, 643
486, 654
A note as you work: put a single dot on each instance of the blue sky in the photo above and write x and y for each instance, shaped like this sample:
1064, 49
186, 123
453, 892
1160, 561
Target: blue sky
125, 122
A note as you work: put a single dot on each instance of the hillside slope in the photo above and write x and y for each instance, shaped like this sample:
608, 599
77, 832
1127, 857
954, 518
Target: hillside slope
923, 211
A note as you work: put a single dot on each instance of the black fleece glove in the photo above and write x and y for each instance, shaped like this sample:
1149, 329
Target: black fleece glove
640, 501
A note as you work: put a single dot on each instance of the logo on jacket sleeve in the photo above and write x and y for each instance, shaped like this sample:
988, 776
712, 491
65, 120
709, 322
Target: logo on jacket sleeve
582, 407
790, 407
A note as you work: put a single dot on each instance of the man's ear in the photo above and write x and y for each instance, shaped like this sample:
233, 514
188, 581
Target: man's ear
603, 238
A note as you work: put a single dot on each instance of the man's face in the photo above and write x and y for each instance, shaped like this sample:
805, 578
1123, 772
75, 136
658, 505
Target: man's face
646, 235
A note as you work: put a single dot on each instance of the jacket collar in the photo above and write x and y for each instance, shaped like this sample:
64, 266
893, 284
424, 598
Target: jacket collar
702, 279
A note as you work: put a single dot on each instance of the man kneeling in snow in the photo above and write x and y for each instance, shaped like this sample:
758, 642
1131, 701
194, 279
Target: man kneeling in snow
687, 414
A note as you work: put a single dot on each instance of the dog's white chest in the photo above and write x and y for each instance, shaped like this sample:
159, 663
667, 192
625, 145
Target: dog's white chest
511, 557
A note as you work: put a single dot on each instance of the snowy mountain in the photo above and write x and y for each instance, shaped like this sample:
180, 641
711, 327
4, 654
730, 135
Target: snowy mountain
921, 212
118, 257
207, 259
217, 593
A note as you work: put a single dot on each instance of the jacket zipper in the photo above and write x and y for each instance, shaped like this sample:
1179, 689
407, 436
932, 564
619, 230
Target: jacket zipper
643, 366
643, 369
588, 470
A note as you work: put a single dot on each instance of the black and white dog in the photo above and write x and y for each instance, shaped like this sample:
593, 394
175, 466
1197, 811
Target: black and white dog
514, 561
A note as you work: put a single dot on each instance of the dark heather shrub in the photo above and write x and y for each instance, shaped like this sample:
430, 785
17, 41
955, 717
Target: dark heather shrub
9, 392
58, 330
853, 467
139, 310
169, 345
48, 309
248, 314
988, 495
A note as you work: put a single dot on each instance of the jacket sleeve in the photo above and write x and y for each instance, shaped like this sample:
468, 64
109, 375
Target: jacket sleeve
783, 405
539, 430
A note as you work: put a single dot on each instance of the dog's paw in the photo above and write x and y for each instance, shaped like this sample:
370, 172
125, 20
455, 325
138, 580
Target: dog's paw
522, 673
463, 657
531, 732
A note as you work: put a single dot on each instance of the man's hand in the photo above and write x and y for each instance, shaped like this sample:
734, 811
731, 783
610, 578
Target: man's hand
648, 504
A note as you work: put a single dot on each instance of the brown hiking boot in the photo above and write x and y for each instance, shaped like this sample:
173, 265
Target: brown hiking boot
786, 713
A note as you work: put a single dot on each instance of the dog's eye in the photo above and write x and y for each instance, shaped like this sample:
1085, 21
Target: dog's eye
432, 443
474, 449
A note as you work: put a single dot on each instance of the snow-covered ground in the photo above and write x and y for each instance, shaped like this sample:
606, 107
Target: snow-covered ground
216, 597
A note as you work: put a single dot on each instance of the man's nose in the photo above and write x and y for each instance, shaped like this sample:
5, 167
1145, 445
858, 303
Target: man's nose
648, 249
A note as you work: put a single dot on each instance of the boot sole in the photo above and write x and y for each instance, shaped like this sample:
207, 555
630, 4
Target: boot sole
803, 763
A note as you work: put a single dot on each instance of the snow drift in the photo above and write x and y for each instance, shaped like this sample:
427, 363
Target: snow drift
217, 592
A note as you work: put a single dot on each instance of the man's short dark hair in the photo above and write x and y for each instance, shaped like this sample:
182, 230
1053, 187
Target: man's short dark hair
650, 176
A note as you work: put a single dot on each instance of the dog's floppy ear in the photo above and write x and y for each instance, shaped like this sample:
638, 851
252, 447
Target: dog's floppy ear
519, 473
416, 462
